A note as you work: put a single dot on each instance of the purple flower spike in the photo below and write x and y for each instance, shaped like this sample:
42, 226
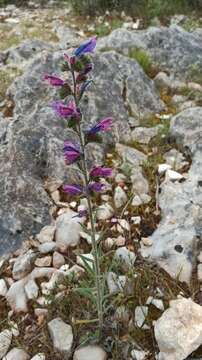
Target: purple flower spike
73, 189
86, 47
66, 111
101, 171
81, 213
96, 187
53, 80
104, 125
71, 152
82, 75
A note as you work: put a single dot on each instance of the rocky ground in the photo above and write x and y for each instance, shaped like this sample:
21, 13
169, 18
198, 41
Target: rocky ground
150, 81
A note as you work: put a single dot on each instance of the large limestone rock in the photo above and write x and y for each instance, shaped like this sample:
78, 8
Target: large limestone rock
174, 49
33, 140
178, 331
175, 240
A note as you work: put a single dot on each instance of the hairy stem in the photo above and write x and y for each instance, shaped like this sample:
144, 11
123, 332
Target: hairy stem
90, 209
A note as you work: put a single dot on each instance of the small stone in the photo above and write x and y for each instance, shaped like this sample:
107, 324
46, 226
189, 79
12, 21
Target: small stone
58, 260
146, 241
136, 220
178, 331
125, 256
47, 247
120, 197
115, 283
173, 175
141, 199
23, 265
46, 234
62, 336
120, 178
44, 261
31, 289
14, 328
88, 237
5, 342
85, 258
16, 297
39, 356
17, 354
194, 86
41, 312
90, 352
162, 168
143, 135
68, 227
73, 204
139, 355
199, 258
162, 81
141, 313
120, 241
3, 287
104, 212
199, 272
109, 243
124, 224
175, 159
158, 303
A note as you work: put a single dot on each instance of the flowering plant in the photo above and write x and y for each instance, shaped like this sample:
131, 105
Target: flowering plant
79, 65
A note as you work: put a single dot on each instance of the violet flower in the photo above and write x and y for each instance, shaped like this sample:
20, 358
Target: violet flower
81, 213
66, 111
96, 187
73, 189
71, 152
82, 74
86, 47
53, 80
104, 125
101, 171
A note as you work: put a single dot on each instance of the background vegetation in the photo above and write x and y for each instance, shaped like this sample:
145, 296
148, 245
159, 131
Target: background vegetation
148, 8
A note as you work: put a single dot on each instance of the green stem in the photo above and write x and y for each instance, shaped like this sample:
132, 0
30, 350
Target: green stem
90, 209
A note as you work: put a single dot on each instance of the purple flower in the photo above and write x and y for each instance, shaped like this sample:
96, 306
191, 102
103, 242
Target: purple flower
81, 213
73, 189
86, 47
53, 80
100, 171
66, 111
70, 59
82, 75
96, 186
104, 125
71, 152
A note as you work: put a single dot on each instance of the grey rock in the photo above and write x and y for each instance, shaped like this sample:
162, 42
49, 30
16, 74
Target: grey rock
139, 354
46, 234
68, 38
144, 135
5, 342
58, 260
174, 49
39, 356
130, 155
175, 239
141, 313
90, 352
47, 247
104, 212
3, 287
16, 354
68, 228
178, 331
115, 283
140, 184
44, 261
62, 337
23, 265
125, 256
175, 158
141, 199
27, 50
31, 289
120, 197
163, 81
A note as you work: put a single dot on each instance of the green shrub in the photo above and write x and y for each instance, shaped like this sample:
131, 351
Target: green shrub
146, 8
143, 58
